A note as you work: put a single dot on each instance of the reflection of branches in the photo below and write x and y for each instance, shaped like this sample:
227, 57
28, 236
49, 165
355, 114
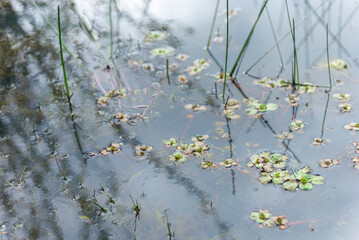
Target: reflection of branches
325, 115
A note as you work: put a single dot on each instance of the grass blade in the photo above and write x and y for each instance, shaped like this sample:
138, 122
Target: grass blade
240, 55
330, 77
212, 26
110, 10
226, 63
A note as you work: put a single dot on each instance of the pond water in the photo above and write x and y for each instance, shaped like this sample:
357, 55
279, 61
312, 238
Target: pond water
61, 178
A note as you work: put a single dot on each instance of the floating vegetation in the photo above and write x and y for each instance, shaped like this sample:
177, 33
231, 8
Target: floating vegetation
325, 163
345, 107
355, 160
148, 66
207, 164
121, 117
198, 66
338, 64
228, 163
256, 108
297, 125
154, 35
269, 83
285, 135
267, 161
111, 94
230, 113
308, 88
177, 157
305, 180
172, 142
195, 107
162, 52
352, 126
196, 148
219, 77
356, 147
318, 141
221, 133
112, 148
182, 79
342, 97
141, 150
292, 99
182, 57
265, 219
232, 104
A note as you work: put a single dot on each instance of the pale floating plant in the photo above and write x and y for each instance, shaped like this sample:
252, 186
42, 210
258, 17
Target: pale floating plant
177, 157
198, 66
154, 36
148, 66
356, 147
182, 79
195, 107
232, 104
345, 107
318, 141
306, 181
256, 108
172, 142
221, 133
297, 125
267, 161
265, 219
112, 148
228, 163
325, 163
308, 88
121, 117
285, 135
174, 66
338, 64
352, 126
162, 52
292, 99
111, 94
182, 57
219, 77
207, 164
355, 160
142, 150
269, 83
343, 97
230, 114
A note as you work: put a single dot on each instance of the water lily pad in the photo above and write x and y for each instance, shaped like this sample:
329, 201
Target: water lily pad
265, 178
277, 180
290, 185
306, 186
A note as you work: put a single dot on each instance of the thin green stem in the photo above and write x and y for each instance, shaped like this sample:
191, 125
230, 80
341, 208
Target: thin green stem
330, 77
62, 56
167, 72
240, 55
226, 63
110, 10
212, 26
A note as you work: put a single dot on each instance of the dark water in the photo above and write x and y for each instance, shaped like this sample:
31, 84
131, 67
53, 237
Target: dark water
51, 188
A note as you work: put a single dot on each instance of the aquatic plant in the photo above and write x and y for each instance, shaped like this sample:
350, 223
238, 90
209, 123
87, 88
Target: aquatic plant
172, 142
345, 107
297, 125
121, 117
307, 87
356, 147
221, 133
195, 107
292, 99
285, 135
177, 157
148, 66
228, 163
182, 79
318, 141
265, 219
162, 52
219, 77
325, 163
112, 148
352, 126
207, 164
232, 104
256, 108
230, 113
343, 97
338, 64
121, 93
355, 160
267, 161
269, 83
154, 36
182, 57
142, 150
306, 181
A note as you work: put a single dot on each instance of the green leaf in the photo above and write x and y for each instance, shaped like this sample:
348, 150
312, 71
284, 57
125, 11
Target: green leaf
260, 221
265, 178
277, 180
272, 106
269, 223
280, 165
254, 215
318, 179
251, 111
290, 185
307, 186
267, 215
277, 157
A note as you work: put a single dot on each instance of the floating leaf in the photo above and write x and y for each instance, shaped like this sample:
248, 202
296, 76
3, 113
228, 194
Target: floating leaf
265, 178
306, 186
318, 179
254, 215
290, 185
338, 64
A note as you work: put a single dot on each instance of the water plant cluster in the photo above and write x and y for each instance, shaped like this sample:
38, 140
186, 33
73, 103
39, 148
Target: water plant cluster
297, 125
325, 163
196, 148
121, 93
344, 98
229, 108
265, 219
198, 66
195, 107
256, 108
228, 163
269, 83
273, 170
142, 150
112, 148
352, 126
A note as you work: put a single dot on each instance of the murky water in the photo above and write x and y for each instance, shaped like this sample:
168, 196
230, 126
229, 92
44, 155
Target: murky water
56, 184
